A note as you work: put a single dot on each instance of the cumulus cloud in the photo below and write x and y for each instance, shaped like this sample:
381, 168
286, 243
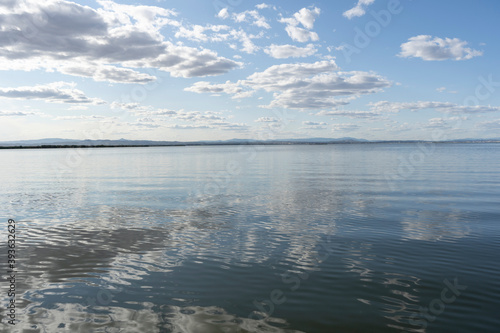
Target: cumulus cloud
106, 73
228, 88
305, 17
301, 35
358, 10
304, 85
78, 40
434, 48
289, 51
57, 92
207, 87
148, 115
125, 106
198, 33
313, 86
251, 16
246, 40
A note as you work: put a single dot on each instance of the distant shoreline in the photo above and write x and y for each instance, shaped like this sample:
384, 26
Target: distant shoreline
274, 143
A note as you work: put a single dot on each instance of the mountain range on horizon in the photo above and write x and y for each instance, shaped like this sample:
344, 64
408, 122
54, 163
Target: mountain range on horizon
126, 142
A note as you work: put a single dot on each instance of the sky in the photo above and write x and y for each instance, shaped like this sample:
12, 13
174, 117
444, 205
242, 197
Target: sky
185, 70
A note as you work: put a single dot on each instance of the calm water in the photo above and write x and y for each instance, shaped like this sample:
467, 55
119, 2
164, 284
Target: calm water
337, 238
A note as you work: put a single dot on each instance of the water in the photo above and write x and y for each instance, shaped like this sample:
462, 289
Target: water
326, 238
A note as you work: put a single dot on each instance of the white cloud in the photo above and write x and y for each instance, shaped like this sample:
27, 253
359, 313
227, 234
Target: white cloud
429, 49
223, 14
125, 106
57, 92
159, 112
313, 125
288, 51
349, 113
183, 61
197, 33
244, 94
301, 35
220, 33
283, 76
267, 120
264, 6
306, 17
446, 107
347, 127
228, 87
246, 40
184, 119
444, 123
313, 86
107, 44
16, 113
305, 85
105, 73
359, 9
378, 109
251, 16
206, 87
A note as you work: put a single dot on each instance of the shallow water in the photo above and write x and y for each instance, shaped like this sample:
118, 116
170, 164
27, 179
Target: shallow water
320, 238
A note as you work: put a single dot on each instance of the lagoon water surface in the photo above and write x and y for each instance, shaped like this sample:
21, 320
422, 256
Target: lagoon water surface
308, 238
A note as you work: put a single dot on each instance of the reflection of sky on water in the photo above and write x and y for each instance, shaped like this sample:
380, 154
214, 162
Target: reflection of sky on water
429, 225
194, 262
73, 317
212, 319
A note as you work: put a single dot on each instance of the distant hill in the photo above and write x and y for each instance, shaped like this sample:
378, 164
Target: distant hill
71, 142
57, 142
124, 142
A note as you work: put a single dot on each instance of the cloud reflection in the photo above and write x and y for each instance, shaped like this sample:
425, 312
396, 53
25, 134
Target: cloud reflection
434, 225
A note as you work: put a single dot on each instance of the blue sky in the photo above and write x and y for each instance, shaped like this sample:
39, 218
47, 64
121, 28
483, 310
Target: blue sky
209, 70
